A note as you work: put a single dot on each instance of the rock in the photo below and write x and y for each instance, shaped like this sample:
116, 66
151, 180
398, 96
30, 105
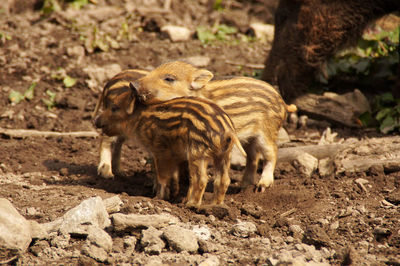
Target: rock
59, 240
372, 152
89, 212
394, 197
262, 31
251, 209
207, 246
176, 33
210, 261
94, 252
334, 225
130, 243
202, 232
349, 256
361, 182
99, 75
15, 230
38, 247
340, 109
303, 121
37, 231
283, 136
71, 102
113, 204
77, 51
381, 233
316, 236
52, 226
306, 164
181, 239
244, 229
198, 61
100, 238
127, 222
326, 167
151, 241
296, 231
329, 137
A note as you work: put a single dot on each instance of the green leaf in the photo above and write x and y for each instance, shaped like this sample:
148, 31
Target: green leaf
217, 5
51, 94
15, 97
226, 29
68, 81
387, 125
78, 4
50, 103
383, 113
387, 97
205, 35
49, 6
29, 93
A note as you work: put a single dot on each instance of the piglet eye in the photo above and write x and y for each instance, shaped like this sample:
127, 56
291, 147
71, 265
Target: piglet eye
169, 79
114, 108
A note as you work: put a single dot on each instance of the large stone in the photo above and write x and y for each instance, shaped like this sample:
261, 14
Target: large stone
94, 252
210, 261
176, 33
15, 230
341, 109
198, 61
244, 229
326, 167
316, 236
90, 212
151, 241
306, 164
181, 239
37, 230
283, 136
128, 222
113, 204
98, 75
100, 238
262, 31
202, 232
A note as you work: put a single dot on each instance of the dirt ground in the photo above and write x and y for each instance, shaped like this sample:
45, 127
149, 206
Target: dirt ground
55, 174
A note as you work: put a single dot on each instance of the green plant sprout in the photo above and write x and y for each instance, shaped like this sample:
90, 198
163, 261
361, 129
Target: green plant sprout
16, 97
50, 102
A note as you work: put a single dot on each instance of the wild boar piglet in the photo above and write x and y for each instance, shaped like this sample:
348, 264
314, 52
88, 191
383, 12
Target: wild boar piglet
255, 107
175, 131
110, 147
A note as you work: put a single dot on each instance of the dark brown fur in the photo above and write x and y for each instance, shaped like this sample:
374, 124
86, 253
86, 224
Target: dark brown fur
308, 32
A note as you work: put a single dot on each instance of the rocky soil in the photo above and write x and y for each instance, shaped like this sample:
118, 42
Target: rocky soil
341, 208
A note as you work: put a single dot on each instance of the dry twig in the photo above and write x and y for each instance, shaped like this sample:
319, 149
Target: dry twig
24, 133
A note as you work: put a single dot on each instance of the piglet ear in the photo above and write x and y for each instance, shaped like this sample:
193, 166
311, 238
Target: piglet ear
133, 89
134, 97
200, 78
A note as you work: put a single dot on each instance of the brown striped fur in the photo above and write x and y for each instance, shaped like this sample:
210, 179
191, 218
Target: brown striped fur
254, 106
110, 147
183, 129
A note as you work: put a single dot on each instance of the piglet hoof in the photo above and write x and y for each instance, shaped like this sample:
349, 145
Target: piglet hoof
104, 171
192, 205
261, 188
118, 172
